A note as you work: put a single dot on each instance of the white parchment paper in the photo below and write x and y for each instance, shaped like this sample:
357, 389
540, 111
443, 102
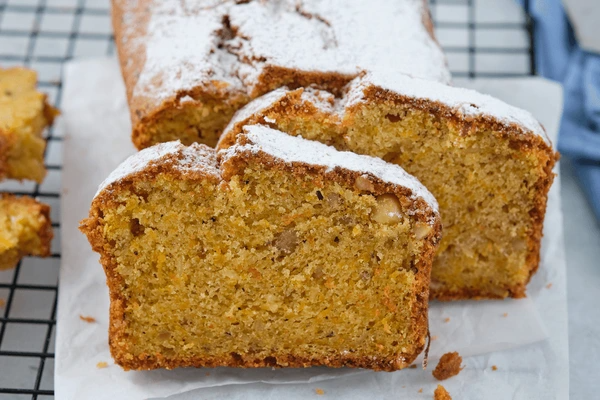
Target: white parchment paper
526, 339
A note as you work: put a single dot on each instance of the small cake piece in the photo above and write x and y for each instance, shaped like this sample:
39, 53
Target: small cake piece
280, 252
25, 229
448, 366
488, 164
185, 89
441, 393
24, 114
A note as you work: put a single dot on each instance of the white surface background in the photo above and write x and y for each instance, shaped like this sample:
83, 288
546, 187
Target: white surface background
582, 231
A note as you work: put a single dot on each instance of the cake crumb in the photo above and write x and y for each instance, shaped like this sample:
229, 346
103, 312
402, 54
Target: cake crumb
320, 392
448, 366
447, 319
87, 319
441, 393
505, 315
434, 337
102, 364
412, 366
2, 302
421, 390
548, 286
494, 368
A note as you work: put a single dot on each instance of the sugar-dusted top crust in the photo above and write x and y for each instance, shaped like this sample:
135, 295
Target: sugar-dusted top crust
289, 149
295, 149
194, 158
466, 104
172, 48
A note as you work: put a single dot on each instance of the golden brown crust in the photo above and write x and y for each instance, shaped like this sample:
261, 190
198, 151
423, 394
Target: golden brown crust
118, 344
6, 142
44, 232
448, 366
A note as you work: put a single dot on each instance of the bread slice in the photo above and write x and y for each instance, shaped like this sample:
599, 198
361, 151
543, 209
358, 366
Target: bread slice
24, 114
188, 66
488, 164
25, 229
278, 252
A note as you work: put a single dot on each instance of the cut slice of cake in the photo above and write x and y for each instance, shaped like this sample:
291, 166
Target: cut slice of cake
25, 229
24, 114
278, 252
488, 164
188, 89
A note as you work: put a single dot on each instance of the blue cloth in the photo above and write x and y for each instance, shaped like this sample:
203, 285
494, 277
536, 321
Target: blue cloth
558, 57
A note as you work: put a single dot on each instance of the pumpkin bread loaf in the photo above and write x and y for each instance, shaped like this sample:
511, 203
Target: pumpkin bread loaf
277, 251
188, 66
488, 164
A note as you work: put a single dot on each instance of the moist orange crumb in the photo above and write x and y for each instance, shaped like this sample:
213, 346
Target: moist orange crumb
2, 302
320, 392
548, 286
87, 319
441, 393
448, 366
505, 315
494, 368
434, 337
102, 364
447, 319
421, 390
24, 114
25, 228
413, 366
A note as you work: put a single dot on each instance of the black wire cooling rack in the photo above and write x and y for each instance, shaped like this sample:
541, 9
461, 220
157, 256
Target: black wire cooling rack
481, 38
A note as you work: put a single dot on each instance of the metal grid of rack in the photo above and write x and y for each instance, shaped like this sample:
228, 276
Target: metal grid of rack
481, 38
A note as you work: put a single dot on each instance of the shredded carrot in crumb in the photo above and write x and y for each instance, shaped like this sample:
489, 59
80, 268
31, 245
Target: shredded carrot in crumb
494, 368
87, 319
505, 314
447, 319
421, 390
102, 364
2, 302
319, 391
548, 286
434, 337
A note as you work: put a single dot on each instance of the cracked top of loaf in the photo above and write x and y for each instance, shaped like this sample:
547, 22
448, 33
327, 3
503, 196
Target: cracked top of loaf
172, 48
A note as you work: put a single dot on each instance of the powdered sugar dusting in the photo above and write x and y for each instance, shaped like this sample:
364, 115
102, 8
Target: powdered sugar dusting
181, 51
296, 149
196, 157
466, 103
256, 106
190, 44
328, 36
